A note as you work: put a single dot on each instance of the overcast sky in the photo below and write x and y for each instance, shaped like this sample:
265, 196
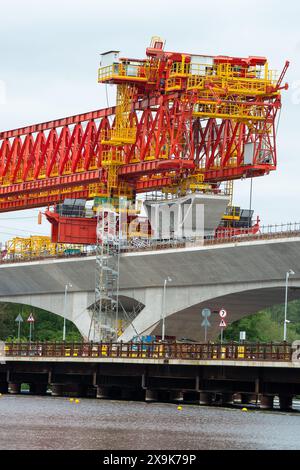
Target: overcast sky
50, 54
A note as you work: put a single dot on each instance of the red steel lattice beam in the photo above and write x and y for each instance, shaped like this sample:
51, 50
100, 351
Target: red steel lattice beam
43, 163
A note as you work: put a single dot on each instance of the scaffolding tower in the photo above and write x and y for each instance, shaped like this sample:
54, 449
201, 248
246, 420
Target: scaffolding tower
104, 322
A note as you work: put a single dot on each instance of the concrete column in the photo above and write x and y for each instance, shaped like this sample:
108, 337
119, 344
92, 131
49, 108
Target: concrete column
176, 395
14, 388
205, 398
150, 395
57, 390
102, 392
227, 398
266, 402
3, 387
38, 389
285, 402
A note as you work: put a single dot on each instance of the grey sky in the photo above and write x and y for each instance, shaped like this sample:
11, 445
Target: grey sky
50, 53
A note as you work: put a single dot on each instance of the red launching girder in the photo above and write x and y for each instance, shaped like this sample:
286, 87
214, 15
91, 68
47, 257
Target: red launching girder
45, 163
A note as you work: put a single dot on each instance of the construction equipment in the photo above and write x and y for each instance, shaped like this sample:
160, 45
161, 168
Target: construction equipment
36, 246
180, 119
182, 123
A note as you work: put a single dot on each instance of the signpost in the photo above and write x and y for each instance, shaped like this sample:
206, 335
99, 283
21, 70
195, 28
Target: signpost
31, 321
242, 335
223, 324
206, 312
19, 320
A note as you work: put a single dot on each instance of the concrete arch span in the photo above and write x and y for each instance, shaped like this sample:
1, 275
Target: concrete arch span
184, 306
79, 306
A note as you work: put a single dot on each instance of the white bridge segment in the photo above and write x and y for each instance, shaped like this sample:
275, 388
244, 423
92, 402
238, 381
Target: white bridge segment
242, 277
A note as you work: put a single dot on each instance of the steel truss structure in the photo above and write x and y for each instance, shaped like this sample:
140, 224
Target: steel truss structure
174, 121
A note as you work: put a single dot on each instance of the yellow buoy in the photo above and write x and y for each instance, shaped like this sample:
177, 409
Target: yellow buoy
179, 408
71, 400
77, 401
244, 409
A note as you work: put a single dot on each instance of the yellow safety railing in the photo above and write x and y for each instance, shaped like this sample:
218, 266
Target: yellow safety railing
179, 69
112, 157
174, 83
229, 111
122, 72
119, 136
252, 80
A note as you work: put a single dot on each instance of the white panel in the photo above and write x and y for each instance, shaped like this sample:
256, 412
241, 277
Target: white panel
109, 58
200, 64
202, 59
248, 153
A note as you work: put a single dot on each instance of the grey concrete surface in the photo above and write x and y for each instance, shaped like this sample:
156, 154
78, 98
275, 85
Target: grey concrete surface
242, 277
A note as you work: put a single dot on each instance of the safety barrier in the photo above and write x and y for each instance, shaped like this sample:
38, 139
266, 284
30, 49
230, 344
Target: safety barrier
156, 350
268, 232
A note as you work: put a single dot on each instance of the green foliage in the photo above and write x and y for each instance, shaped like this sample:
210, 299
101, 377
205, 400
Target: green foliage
47, 326
267, 325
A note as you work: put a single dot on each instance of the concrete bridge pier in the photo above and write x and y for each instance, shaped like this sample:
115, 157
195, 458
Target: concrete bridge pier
205, 398
56, 390
227, 398
103, 392
151, 395
286, 402
266, 402
176, 396
14, 388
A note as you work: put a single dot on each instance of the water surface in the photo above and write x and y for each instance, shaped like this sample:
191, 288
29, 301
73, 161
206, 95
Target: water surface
28, 422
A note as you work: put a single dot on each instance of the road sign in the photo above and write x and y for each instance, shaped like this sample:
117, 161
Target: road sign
19, 320
222, 324
223, 313
31, 319
205, 323
206, 312
242, 335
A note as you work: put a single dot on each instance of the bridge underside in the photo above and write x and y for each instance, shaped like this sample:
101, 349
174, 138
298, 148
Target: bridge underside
239, 305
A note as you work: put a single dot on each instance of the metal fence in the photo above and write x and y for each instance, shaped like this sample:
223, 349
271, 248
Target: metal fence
182, 351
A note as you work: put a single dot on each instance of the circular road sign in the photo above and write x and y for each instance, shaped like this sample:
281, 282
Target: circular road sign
206, 312
223, 313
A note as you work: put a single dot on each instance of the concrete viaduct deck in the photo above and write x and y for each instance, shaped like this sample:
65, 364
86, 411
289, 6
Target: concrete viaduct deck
243, 276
